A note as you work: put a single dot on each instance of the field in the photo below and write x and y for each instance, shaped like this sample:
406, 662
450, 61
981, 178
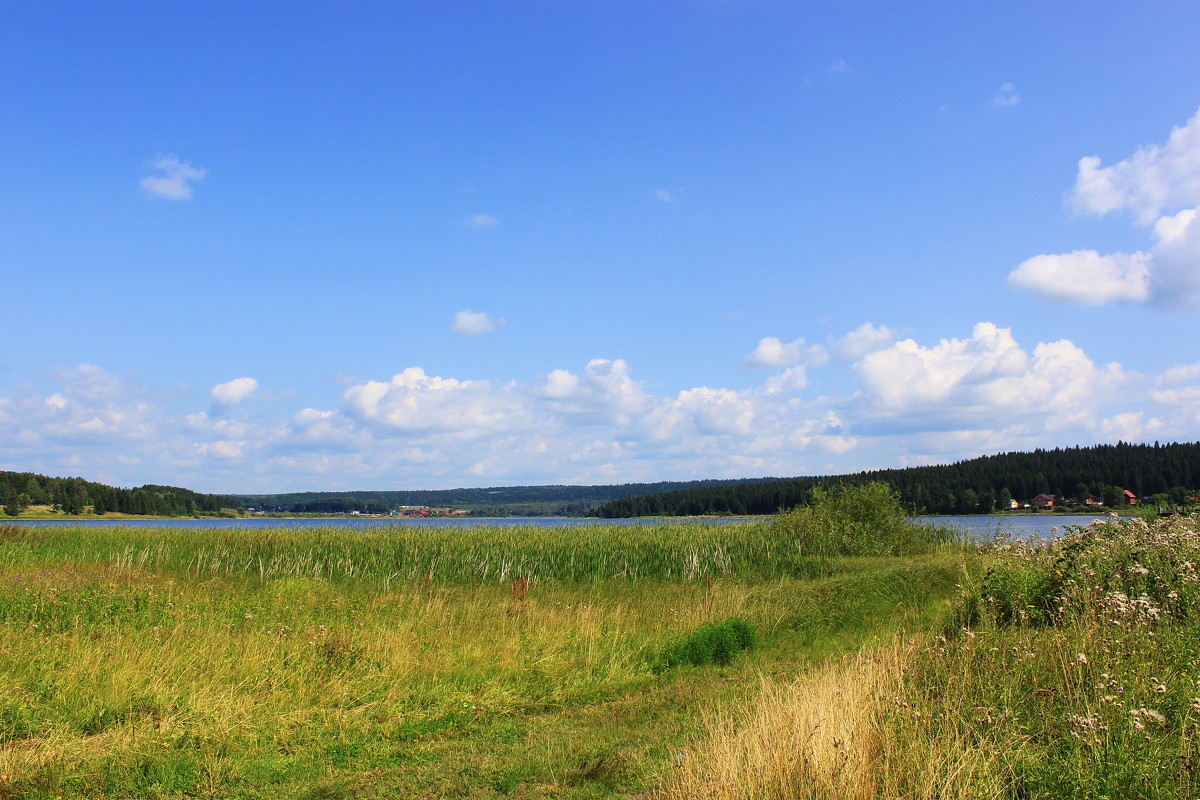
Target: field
797, 657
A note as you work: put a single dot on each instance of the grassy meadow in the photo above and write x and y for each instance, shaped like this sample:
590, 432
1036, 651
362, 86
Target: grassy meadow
835, 651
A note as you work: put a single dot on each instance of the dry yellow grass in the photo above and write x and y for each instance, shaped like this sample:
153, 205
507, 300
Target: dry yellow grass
838, 733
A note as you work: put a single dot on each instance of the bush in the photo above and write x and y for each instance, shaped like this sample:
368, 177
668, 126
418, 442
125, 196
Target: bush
710, 644
863, 520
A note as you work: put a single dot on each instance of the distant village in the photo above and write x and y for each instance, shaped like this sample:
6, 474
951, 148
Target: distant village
398, 511
417, 511
1046, 502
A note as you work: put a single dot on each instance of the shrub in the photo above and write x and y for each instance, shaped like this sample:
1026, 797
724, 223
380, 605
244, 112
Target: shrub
710, 644
863, 520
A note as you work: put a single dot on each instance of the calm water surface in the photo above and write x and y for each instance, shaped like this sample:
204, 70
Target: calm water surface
363, 522
1021, 526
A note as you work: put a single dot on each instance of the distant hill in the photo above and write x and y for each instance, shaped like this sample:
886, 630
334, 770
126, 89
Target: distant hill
19, 490
497, 501
980, 485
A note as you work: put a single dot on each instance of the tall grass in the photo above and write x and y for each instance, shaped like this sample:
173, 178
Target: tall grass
241, 662
1065, 669
387, 556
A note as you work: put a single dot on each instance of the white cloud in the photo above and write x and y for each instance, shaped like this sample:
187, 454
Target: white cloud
1155, 183
482, 221
1085, 277
773, 352
605, 393
866, 338
175, 180
792, 379
474, 323
914, 403
1154, 180
667, 196
1181, 374
224, 449
838, 67
1176, 266
986, 382
93, 407
414, 401
233, 392
1006, 96
717, 412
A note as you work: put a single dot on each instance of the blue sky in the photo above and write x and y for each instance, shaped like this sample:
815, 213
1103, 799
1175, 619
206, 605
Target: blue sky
277, 246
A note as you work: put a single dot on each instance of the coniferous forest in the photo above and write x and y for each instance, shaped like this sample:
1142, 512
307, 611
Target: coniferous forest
1168, 473
20, 490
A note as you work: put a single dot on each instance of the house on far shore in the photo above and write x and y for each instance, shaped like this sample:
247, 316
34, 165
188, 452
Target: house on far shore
1043, 501
1131, 498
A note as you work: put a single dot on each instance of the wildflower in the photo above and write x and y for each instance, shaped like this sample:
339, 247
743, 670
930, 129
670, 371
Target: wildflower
1081, 658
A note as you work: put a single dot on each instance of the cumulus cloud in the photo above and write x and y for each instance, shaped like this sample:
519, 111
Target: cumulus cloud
986, 381
717, 412
175, 178
1085, 277
233, 392
605, 393
1006, 96
414, 401
91, 407
1152, 181
222, 449
772, 352
1157, 184
864, 339
792, 379
474, 323
913, 402
1184, 373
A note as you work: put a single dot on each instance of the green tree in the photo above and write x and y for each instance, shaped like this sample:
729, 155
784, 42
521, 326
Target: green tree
1114, 496
1005, 500
17, 503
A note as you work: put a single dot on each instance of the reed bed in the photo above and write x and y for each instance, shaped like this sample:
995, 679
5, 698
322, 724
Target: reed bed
387, 556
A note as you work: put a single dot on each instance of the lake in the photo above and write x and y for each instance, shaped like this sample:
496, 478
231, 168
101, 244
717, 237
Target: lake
1021, 526
362, 522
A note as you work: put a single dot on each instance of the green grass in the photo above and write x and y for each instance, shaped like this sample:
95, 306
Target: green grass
318, 662
1074, 662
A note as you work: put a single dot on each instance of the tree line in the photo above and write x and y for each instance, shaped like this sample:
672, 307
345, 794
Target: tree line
20, 490
495, 501
1169, 473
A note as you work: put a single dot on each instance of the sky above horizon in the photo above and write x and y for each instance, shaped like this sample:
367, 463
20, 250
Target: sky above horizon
274, 247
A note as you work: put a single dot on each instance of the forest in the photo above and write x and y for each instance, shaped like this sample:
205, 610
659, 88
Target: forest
1167, 473
494, 501
20, 490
